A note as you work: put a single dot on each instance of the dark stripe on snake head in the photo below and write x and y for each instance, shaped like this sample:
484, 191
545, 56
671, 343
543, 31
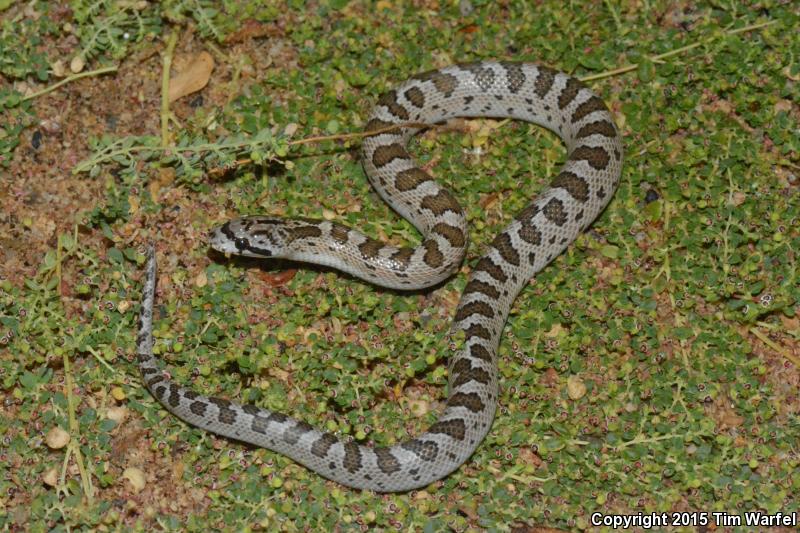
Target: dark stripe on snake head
387, 153
322, 445
352, 457
502, 243
455, 428
411, 179
575, 185
387, 462
440, 203
515, 77
389, 100
554, 212
415, 96
596, 156
470, 400
477, 307
424, 449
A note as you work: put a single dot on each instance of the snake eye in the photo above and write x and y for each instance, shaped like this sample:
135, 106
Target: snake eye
240, 243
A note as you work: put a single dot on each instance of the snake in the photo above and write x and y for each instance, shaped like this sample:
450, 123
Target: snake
536, 235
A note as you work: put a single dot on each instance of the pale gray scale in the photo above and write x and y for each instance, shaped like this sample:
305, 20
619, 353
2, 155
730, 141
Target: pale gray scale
543, 229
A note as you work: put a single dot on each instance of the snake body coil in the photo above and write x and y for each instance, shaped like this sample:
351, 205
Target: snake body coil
537, 234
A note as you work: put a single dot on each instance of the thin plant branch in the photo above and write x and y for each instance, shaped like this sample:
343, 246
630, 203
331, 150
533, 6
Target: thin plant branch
167, 66
69, 79
677, 51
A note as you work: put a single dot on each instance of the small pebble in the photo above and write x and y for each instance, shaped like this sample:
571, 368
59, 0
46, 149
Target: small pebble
56, 438
118, 414
576, 389
50, 478
136, 478
651, 196
77, 64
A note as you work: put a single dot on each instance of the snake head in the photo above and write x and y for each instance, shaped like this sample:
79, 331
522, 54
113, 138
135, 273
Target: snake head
252, 237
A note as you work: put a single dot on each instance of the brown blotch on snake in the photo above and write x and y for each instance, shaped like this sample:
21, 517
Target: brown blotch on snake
601, 127
554, 212
322, 445
452, 234
387, 153
444, 83
352, 457
569, 93
589, 106
389, 100
455, 429
596, 156
340, 233
477, 307
415, 96
514, 76
544, 81
411, 179
493, 269
575, 185
387, 462
440, 203
433, 256
470, 400
370, 248
426, 450
502, 243
476, 285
